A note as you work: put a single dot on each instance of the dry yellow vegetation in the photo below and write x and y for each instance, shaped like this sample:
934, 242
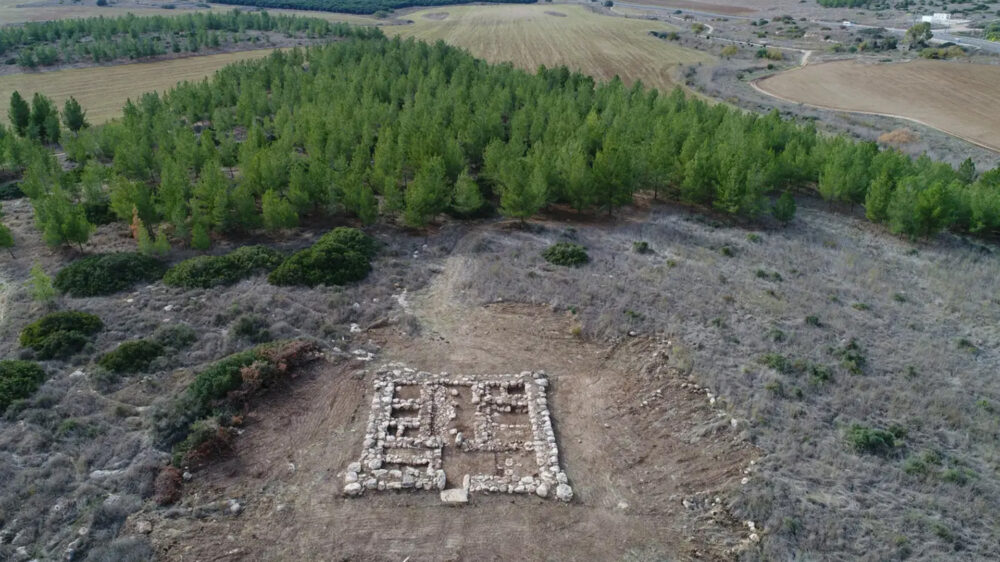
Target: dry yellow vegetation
958, 98
19, 11
530, 35
103, 90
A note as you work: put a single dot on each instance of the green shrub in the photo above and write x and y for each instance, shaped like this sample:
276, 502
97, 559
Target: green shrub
60, 334
641, 247
61, 345
819, 373
813, 321
852, 357
777, 362
175, 336
959, 476
871, 441
211, 388
10, 190
18, 380
131, 356
252, 328
200, 432
567, 254
210, 271
219, 379
104, 274
773, 276
339, 257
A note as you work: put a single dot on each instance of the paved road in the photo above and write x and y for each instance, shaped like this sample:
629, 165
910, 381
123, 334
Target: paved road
940, 36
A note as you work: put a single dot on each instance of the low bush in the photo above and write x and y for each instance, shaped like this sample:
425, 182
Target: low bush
61, 345
252, 327
776, 361
131, 356
175, 336
340, 256
210, 271
641, 247
566, 254
167, 486
60, 334
206, 439
10, 190
229, 381
851, 356
871, 441
18, 380
104, 274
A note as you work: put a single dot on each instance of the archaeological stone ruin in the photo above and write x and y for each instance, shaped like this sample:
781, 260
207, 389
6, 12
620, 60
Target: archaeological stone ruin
459, 435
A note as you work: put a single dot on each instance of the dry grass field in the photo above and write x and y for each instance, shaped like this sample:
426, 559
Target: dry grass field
17, 11
959, 99
103, 90
556, 34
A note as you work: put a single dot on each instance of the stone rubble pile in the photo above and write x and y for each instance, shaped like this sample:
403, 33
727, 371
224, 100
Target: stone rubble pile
416, 426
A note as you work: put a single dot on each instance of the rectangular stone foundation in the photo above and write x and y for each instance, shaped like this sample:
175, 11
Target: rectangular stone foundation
477, 433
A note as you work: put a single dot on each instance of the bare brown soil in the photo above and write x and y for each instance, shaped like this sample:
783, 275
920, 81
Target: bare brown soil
632, 466
436, 16
960, 99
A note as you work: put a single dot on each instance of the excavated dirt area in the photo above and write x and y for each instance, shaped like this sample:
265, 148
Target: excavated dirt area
646, 453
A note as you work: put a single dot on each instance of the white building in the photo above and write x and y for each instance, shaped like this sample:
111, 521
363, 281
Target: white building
936, 18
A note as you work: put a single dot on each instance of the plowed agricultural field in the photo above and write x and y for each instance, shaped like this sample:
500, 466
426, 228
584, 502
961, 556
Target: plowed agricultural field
556, 34
959, 99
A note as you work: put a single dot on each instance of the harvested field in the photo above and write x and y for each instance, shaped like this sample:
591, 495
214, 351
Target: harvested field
531, 35
734, 9
959, 99
104, 90
15, 11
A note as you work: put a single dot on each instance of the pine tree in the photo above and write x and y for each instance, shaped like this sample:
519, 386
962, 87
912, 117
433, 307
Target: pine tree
41, 288
967, 171
161, 246
143, 238
199, 236
468, 198
19, 114
6, 239
74, 117
878, 197
278, 212
44, 123
522, 197
367, 205
784, 208
428, 194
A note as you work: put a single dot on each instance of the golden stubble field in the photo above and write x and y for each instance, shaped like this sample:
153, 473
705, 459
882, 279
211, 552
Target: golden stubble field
530, 35
103, 90
21, 11
961, 99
